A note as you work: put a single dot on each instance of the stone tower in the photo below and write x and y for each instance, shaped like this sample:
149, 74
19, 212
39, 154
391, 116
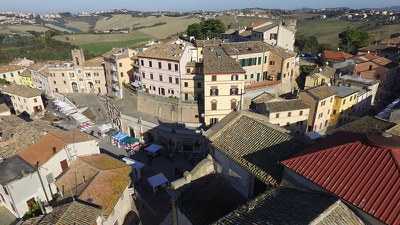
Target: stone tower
78, 57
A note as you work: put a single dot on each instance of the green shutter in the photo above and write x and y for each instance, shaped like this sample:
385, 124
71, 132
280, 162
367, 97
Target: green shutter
250, 61
258, 77
279, 76
122, 74
252, 75
259, 60
265, 59
243, 62
120, 64
245, 76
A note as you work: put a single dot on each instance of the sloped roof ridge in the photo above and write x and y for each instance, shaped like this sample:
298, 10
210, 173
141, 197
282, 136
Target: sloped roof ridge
94, 165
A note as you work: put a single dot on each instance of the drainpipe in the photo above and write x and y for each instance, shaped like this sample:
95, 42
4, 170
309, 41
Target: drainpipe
41, 182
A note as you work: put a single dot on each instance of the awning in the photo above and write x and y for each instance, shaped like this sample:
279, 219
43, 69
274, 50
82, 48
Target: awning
131, 141
120, 135
153, 148
105, 127
157, 180
111, 132
135, 164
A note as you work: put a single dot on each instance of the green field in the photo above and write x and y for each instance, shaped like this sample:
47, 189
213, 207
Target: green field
82, 26
22, 28
100, 48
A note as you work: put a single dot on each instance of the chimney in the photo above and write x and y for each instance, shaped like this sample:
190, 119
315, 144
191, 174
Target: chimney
54, 150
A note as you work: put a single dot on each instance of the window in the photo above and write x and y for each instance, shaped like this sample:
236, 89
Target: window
289, 114
198, 85
4, 76
273, 36
144, 75
150, 64
199, 97
287, 65
214, 92
300, 113
57, 90
234, 91
151, 76
186, 84
142, 62
322, 103
331, 99
172, 92
5, 190
235, 77
160, 77
245, 76
259, 61
334, 112
122, 74
249, 62
243, 62
233, 105
96, 74
169, 66
12, 75
120, 64
65, 82
277, 115
35, 100
265, 59
159, 65
271, 63
176, 67
214, 105
176, 80
62, 74
326, 123
54, 82
351, 98
187, 70
213, 78
170, 79
344, 101
186, 96
252, 75
370, 67
213, 121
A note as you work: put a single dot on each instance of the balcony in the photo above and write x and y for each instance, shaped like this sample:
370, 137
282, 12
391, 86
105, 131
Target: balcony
113, 68
115, 79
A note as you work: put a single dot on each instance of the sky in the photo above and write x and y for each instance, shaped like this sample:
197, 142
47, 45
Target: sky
49, 6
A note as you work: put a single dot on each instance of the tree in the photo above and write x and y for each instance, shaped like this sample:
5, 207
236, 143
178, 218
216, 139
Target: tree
211, 28
307, 44
351, 40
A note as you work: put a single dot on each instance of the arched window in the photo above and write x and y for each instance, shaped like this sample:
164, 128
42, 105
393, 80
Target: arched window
214, 105
233, 104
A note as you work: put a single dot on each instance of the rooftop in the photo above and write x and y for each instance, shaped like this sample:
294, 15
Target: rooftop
18, 134
263, 97
359, 80
163, 51
285, 54
245, 34
14, 168
257, 148
380, 47
365, 125
117, 53
21, 90
208, 198
207, 43
259, 23
360, 173
25, 73
216, 61
325, 71
75, 212
336, 55
4, 108
247, 47
50, 144
266, 28
387, 63
95, 62
37, 66
99, 179
343, 92
288, 105
290, 206
320, 92
10, 68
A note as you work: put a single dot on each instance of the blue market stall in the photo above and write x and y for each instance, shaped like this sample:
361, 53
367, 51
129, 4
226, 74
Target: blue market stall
118, 138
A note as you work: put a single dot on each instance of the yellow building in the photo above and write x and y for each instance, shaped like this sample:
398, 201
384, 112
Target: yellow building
26, 79
343, 105
319, 76
223, 84
192, 82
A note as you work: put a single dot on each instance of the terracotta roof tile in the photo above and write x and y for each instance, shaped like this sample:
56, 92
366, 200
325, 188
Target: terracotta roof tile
95, 62
320, 92
259, 23
363, 175
216, 61
163, 51
21, 90
337, 55
10, 68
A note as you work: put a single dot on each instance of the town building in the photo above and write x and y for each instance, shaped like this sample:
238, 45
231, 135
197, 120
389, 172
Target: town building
320, 100
341, 61
291, 114
388, 51
40, 78
348, 174
282, 34
319, 76
100, 180
357, 82
24, 99
81, 76
192, 82
200, 44
249, 159
21, 62
161, 68
344, 104
11, 73
223, 84
118, 69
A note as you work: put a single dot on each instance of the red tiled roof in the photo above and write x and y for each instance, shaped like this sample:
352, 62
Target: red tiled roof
367, 177
336, 55
259, 23
171, 39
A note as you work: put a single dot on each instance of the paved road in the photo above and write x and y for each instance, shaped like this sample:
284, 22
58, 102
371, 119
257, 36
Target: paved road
94, 103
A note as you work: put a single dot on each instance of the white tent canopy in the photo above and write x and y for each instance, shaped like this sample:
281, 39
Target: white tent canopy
104, 127
157, 180
153, 148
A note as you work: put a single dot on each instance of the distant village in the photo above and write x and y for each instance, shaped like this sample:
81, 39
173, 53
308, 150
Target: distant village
214, 131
